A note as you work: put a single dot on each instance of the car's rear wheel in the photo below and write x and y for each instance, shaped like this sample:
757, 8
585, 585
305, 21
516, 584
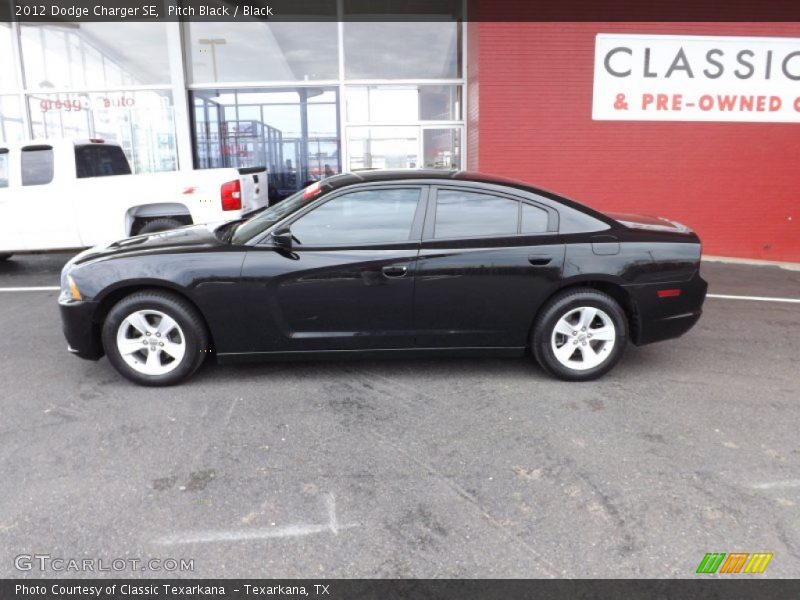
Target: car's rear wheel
580, 335
155, 338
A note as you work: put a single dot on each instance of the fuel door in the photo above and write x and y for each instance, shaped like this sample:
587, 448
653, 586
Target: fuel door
605, 245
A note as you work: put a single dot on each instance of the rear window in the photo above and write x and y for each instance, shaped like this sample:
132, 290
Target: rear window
462, 214
100, 160
37, 165
534, 220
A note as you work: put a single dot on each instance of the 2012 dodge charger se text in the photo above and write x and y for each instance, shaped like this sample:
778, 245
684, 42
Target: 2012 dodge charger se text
388, 262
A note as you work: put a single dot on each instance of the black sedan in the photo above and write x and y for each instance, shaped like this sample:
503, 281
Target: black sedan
388, 263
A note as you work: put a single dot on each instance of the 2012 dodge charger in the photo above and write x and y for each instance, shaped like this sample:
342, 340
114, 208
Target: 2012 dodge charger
388, 262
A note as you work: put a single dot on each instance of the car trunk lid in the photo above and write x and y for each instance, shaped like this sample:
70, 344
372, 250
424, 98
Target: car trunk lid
649, 223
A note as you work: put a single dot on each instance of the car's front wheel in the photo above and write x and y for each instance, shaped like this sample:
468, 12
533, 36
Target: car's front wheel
580, 335
155, 338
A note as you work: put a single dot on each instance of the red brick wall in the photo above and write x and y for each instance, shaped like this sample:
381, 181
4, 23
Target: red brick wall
736, 184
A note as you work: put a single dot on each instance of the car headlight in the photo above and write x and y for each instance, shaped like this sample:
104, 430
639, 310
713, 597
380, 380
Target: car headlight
73, 289
69, 289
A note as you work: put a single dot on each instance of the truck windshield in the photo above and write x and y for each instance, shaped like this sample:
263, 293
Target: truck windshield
100, 160
266, 219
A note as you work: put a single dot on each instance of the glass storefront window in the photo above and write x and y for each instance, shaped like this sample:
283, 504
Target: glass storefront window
293, 132
400, 147
262, 51
94, 55
421, 50
383, 147
441, 148
365, 104
11, 124
440, 102
406, 103
142, 122
279, 105
8, 70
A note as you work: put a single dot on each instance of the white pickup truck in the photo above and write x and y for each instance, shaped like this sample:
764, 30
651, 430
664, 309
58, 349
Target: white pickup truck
64, 194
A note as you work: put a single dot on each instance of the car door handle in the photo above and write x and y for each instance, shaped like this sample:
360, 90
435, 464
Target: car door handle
539, 261
395, 270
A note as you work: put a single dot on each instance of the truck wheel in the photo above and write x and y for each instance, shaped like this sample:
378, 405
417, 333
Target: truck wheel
155, 338
159, 225
5, 256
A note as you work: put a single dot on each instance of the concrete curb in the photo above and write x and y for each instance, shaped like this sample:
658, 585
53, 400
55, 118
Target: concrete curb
789, 266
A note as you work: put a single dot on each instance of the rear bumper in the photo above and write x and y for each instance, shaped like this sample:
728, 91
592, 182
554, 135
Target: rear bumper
82, 333
667, 327
658, 319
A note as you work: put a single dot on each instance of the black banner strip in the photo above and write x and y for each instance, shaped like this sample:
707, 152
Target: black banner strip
42, 11
729, 588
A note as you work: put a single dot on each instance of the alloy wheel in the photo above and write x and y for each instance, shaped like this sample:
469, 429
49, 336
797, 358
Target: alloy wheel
151, 342
583, 338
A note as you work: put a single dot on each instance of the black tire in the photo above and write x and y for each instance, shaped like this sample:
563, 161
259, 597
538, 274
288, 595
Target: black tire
561, 305
5, 256
193, 327
157, 225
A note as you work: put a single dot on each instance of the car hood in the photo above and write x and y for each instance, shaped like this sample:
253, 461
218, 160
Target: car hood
191, 237
649, 223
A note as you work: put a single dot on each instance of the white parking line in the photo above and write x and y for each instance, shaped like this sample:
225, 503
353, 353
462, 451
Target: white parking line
787, 483
755, 298
46, 288
262, 533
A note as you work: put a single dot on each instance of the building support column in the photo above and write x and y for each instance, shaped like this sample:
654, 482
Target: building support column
180, 97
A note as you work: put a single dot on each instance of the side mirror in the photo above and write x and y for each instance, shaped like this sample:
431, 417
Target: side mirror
282, 239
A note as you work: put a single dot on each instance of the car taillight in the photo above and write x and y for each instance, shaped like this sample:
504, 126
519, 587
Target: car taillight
231, 193
670, 293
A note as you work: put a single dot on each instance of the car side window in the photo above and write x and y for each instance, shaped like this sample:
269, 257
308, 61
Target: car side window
462, 214
4, 172
534, 219
361, 217
37, 165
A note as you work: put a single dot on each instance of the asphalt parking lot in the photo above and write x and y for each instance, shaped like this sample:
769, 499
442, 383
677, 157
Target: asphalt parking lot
423, 468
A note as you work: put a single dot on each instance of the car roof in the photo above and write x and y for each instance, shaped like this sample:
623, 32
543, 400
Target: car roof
387, 174
381, 175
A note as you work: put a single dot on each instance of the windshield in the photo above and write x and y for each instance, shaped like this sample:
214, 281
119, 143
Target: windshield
266, 219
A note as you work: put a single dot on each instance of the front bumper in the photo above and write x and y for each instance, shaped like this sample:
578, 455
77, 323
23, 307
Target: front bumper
658, 319
82, 333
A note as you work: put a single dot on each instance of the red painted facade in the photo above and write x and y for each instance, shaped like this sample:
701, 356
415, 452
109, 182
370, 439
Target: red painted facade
529, 116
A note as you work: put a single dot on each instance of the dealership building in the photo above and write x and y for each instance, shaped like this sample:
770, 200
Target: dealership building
699, 122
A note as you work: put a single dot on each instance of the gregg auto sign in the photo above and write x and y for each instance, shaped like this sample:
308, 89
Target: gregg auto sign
696, 78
